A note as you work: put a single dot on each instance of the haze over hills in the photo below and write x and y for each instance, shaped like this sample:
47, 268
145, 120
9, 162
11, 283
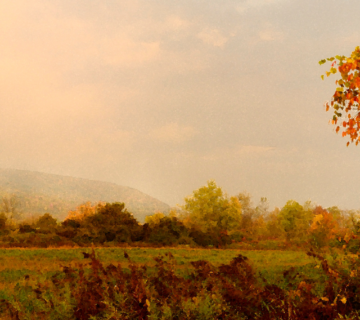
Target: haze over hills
38, 193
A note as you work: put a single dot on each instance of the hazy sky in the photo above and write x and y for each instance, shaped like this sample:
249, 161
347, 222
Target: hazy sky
163, 95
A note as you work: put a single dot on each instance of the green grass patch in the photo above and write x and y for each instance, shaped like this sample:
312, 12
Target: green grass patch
270, 264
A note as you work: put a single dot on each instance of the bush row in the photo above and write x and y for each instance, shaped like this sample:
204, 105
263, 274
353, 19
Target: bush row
111, 225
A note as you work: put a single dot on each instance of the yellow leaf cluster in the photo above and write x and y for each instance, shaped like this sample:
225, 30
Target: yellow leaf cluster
85, 210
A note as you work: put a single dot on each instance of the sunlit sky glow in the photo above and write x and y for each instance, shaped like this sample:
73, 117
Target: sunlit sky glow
164, 95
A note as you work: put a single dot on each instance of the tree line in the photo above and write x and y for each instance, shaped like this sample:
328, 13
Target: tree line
209, 217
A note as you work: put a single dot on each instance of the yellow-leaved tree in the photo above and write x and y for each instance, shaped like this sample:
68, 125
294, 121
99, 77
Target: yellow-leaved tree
210, 209
154, 219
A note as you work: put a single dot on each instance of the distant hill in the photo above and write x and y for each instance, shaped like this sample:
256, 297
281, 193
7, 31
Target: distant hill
39, 193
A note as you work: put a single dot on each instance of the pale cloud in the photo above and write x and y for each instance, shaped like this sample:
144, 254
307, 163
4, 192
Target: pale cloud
212, 37
176, 23
246, 151
39, 80
271, 34
123, 51
252, 150
89, 45
108, 141
349, 42
254, 4
173, 132
66, 42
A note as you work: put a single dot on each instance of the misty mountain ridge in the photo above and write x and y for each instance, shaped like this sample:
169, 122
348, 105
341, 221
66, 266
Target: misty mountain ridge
38, 193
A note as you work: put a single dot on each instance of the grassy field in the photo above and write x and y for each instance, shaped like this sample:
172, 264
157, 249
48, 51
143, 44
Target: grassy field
40, 264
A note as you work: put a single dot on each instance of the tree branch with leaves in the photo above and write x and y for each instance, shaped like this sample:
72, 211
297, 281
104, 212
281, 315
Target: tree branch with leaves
345, 100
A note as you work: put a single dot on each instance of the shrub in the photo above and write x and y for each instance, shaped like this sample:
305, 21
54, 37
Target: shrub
26, 228
46, 223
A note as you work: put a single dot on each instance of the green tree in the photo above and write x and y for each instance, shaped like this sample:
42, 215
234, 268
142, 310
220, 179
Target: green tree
295, 220
169, 231
46, 223
345, 100
111, 222
210, 209
274, 226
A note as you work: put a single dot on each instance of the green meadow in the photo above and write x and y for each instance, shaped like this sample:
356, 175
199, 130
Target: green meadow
40, 264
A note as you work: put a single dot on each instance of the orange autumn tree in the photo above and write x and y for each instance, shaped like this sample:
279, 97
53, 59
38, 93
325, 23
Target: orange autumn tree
323, 227
345, 100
